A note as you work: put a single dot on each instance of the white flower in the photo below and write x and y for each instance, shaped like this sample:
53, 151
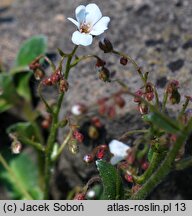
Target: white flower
119, 150
89, 23
76, 110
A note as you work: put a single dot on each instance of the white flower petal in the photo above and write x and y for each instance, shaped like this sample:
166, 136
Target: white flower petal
100, 26
79, 38
73, 21
116, 159
80, 13
76, 110
93, 14
118, 148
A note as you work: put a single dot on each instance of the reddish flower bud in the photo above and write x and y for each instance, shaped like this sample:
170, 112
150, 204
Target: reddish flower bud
145, 165
111, 112
63, 85
45, 124
106, 45
47, 81
102, 100
100, 154
102, 109
138, 94
119, 101
189, 98
149, 96
128, 178
123, 60
88, 158
149, 87
78, 136
130, 158
100, 63
173, 138
96, 122
172, 86
39, 74
104, 74
79, 196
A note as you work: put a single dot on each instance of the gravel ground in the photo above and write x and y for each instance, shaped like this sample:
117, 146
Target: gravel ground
158, 36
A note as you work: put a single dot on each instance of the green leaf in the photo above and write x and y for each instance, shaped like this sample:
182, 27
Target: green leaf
22, 84
25, 171
150, 154
30, 49
24, 129
8, 94
4, 105
162, 121
112, 183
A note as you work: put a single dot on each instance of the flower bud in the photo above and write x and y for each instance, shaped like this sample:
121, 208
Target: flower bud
175, 97
119, 101
16, 147
39, 74
93, 132
149, 96
143, 108
73, 147
111, 112
46, 122
63, 123
123, 60
47, 82
63, 85
128, 178
104, 74
79, 196
78, 109
106, 45
138, 94
102, 109
100, 153
149, 88
96, 122
145, 165
172, 85
78, 136
88, 158
100, 63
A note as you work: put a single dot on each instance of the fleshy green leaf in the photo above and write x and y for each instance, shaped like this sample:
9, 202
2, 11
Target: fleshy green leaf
24, 129
30, 49
22, 84
8, 94
25, 172
112, 183
4, 105
163, 122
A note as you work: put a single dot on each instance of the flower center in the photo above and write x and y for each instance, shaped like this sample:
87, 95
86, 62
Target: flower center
85, 28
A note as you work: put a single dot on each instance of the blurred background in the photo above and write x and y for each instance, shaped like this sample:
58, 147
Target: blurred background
156, 33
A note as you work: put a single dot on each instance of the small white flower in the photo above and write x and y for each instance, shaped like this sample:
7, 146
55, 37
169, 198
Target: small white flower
89, 22
119, 150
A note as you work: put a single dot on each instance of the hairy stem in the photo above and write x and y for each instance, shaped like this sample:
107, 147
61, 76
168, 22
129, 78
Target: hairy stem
54, 129
165, 166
